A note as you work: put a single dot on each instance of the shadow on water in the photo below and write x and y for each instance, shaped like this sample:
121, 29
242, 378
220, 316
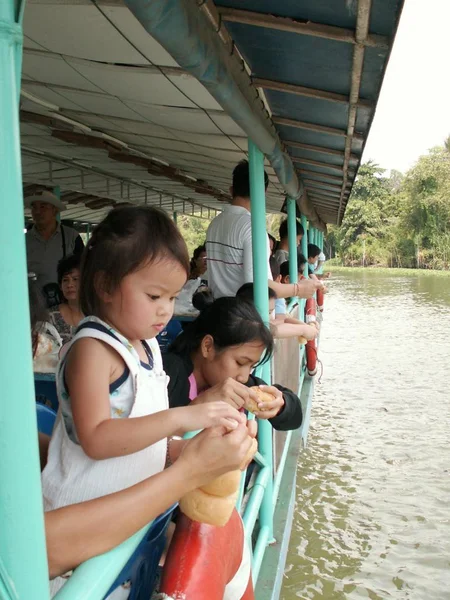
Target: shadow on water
373, 505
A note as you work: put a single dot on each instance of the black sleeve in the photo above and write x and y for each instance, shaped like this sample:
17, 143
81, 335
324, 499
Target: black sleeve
291, 416
178, 388
78, 246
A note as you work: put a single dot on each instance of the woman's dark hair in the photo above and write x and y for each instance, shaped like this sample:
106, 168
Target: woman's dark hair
38, 312
283, 231
247, 291
127, 238
241, 180
272, 239
66, 265
230, 322
197, 252
313, 250
274, 267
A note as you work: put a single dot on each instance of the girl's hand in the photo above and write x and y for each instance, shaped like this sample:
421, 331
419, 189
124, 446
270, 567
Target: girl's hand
210, 414
231, 391
269, 410
214, 452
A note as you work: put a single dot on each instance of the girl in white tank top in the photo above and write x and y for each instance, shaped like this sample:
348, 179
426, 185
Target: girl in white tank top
113, 422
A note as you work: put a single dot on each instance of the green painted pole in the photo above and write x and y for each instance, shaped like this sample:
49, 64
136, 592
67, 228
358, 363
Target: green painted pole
261, 291
292, 239
22, 539
88, 231
305, 242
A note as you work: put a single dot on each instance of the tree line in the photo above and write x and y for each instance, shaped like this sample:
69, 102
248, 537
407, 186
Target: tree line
398, 221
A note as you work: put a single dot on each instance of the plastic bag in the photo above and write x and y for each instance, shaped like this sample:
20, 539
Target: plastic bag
183, 304
49, 344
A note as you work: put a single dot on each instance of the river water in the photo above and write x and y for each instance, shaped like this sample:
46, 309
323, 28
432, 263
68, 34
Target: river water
373, 496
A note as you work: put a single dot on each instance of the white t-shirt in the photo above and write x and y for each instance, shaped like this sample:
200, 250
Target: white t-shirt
229, 251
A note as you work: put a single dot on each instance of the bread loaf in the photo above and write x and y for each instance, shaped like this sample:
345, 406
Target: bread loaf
252, 405
213, 503
302, 340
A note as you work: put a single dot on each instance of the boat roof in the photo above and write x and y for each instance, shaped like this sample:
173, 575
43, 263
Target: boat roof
109, 116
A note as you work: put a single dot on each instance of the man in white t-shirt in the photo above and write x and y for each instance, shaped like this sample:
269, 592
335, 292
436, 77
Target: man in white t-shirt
229, 251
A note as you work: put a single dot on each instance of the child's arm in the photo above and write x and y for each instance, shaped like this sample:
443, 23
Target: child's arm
91, 366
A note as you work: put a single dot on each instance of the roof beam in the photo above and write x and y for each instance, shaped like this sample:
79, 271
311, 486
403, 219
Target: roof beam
321, 149
300, 90
299, 26
362, 32
316, 163
313, 183
306, 172
316, 128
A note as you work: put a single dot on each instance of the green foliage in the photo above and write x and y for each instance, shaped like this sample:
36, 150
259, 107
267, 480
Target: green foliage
193, 229
398, 221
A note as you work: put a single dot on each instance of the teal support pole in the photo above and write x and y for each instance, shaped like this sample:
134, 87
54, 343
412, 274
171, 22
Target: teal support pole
292, 239
57, 192
305, 242
261, 291
88, 231
23, 554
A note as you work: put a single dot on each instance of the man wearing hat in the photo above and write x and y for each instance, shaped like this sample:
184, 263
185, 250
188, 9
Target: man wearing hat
48, 241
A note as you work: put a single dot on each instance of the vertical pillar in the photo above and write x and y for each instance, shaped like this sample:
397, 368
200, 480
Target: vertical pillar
57, 192
261, 291
88, 232
305, 243
292, 239
175, 216
22, 540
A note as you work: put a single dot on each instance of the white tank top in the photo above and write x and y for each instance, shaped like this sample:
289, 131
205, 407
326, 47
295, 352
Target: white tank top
70, 476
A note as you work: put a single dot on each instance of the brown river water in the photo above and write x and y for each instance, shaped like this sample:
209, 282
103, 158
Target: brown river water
373, 493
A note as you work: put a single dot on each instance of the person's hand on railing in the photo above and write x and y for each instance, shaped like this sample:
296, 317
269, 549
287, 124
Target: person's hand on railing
269, 410
307, 288
214, 452
230, 391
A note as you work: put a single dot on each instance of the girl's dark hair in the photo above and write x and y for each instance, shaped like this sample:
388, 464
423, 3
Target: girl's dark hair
66, 265
230, 322
38, 312
196, 255
247, 291
127, 238
313, 250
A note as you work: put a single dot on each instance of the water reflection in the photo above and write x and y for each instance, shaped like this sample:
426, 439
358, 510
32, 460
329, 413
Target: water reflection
373, 511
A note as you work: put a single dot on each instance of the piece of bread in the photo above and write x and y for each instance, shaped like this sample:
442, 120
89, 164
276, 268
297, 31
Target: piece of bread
224, 485
252, 405
302, 340
205, 508
213, 503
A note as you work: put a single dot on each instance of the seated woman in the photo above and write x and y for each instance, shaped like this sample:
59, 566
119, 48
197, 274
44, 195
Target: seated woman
198, 262
45, 339
214, 357
66, 316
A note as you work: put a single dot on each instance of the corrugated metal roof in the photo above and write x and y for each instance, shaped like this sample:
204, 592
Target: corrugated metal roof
107, 113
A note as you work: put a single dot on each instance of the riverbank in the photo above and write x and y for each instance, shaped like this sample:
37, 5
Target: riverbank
386, 271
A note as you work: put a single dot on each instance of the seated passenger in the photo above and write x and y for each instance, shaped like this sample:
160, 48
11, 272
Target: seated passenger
114, 421
282, 325
215, 356
198, 263
66, 316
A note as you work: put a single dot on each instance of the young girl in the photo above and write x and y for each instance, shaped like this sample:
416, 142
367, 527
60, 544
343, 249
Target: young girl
113, 424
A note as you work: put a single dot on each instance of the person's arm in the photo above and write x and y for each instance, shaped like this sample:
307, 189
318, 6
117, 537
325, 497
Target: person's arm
287, 329
303, 289
78, 246
88, 373
247, 267
290, 415
78, 532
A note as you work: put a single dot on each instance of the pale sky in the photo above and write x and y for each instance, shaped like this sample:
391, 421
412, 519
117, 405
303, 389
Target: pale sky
413, 112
